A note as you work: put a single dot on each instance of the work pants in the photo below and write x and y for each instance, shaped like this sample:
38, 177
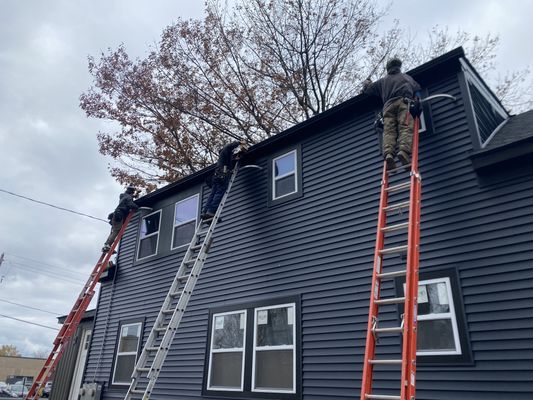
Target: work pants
115, 229
398, 127
217, 192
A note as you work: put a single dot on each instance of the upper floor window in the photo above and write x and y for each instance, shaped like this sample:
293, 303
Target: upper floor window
185, 214
126, 354
149, 235
285, 175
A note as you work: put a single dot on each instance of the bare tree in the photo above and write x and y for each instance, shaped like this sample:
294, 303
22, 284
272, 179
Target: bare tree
9, 351
250, 71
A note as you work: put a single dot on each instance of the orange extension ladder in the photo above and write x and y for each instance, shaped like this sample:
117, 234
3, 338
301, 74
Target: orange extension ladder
408, 326
74, 317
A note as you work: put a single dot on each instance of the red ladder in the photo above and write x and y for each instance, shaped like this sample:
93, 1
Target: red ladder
74, 317
408, 326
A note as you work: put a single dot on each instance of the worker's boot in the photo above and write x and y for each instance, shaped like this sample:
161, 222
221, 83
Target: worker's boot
389, 159
404, 159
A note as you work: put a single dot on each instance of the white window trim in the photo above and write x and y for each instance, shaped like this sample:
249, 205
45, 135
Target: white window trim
149, 235
276, 178
281, 347
422, 126
211, 351
126, 353
174, 225
449, 315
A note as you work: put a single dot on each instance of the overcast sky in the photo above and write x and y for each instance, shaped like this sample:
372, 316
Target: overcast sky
48, 148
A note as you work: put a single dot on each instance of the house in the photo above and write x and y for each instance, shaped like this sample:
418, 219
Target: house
68, 376
280, 310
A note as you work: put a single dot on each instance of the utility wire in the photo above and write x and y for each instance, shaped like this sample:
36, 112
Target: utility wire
53, 206
43, 263
45, 272
31, 308
28, 322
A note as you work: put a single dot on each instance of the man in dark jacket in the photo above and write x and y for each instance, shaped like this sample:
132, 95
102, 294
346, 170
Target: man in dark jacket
117, 217
227, 159
397, 91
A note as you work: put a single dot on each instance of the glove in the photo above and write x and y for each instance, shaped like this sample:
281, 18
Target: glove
415, 108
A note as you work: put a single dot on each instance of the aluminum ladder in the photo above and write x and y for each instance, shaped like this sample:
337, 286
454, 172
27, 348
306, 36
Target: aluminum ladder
73, 318
408, 325
157, 345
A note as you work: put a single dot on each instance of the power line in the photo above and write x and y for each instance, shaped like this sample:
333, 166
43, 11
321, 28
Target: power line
43, 263
29, 307
53, 206
45, 272
28, 322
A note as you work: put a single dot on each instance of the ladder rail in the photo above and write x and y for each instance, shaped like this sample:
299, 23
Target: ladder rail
409, 324
71, 323
154, 369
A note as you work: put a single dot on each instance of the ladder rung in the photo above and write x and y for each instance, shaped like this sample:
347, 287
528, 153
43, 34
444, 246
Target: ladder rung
392, 250
191, 261
143, 369
400, 186
396, 227
176, 294
203, 232
382, 397
152, 348
393, 274
385, 362
180, 278
397, 206
405, 168
196, 247
169, 311
392, 300
135, 391
162, 329
396, 329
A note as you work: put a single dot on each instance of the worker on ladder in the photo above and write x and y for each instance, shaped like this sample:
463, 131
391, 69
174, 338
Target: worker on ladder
400, 95
126, 204
227, 159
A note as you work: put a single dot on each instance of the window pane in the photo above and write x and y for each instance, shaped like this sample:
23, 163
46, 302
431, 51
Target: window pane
435, 335
184, 233
285, 164
186, 210
274, 369
285, 185
229, 331
150, 224
226, 369
433, 299
148, 246
124, 368
275, 326
129, 337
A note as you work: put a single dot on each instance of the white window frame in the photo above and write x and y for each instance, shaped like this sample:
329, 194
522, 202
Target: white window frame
282, 347
276, 178
449, 315
149, 235
126, 353
174, 225
235, 349
422, 126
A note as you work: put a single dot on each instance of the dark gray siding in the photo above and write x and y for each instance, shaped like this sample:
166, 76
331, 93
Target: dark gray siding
320, 246
65, 369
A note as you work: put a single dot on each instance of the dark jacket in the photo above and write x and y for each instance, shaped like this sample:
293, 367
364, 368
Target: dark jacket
125, 205
393, 86
225, 157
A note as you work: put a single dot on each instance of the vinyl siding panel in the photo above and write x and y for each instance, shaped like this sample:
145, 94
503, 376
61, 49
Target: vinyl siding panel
320, 246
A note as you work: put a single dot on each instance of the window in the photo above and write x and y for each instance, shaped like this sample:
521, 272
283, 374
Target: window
185, 213
254, 351
437, 325
226, 359
442, 337
274, 350
126, 356
149, 236
284, 175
